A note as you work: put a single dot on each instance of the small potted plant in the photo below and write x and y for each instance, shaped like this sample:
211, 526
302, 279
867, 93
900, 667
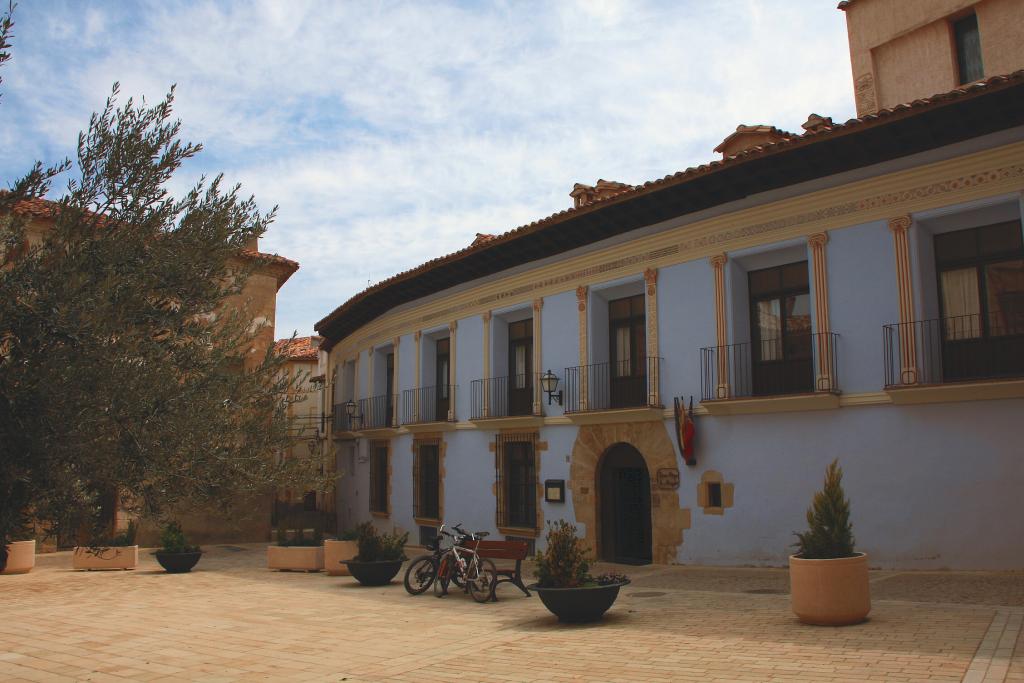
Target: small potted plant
17, 556
118, 552
829, 580
337, 551
176, 556
380, 555
295, 551
563, 582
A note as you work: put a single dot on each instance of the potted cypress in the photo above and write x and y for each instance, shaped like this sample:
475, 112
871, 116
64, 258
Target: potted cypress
380, 556
563, 582
296, 552
176, 556
119, 552
337, 551
828, 579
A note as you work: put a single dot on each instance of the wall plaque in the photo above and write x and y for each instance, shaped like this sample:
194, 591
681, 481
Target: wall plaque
668, 478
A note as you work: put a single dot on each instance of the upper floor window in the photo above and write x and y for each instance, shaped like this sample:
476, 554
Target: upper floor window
442, 377
780, 322
968, 49
520, 367
627, 326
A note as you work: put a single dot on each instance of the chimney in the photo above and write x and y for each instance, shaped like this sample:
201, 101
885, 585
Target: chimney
749, 137
588, 194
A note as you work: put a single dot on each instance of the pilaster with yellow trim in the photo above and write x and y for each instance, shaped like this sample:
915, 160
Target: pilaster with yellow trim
417, 336
653, 370
487, 364
452, 327
581, 301
538, 306
394, 388
721, 328
369, 375
824, 380
900, 228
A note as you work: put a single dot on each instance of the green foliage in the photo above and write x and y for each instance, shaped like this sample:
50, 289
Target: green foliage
126, 363
566, 561
377, 547
829, 534
172, 540
349, 535
292, 532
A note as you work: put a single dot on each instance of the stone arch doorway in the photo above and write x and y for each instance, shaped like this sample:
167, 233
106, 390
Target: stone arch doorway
651, 440
623, 486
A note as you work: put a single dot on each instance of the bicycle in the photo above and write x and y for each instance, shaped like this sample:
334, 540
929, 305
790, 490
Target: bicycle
461, 566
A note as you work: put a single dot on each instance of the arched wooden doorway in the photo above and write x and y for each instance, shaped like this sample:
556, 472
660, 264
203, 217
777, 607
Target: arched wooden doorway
624, 506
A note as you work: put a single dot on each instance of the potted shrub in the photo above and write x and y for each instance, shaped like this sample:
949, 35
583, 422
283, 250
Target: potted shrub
176, 556
119, 552
380, 555
296, 552
17, 557
829, 580
337, 551
563, 582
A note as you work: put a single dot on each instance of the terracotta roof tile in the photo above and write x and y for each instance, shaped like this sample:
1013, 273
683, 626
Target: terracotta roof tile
839, 129
300, 348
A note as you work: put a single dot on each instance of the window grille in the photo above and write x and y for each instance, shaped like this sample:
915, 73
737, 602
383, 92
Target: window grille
379, 476
426, 476
515, 472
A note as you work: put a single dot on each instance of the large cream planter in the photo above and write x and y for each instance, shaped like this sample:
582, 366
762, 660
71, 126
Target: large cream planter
21, 557
336, 552
120, 557
295, 558
830, 592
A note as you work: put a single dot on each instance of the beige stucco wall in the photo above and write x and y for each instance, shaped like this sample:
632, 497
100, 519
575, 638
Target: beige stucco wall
902, 50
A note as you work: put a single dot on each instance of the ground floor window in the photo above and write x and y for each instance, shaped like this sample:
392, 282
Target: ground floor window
516, 474
426, 475
379, 452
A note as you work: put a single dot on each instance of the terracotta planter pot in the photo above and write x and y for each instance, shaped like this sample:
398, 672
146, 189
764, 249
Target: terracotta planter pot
178, 563
21, 557
336, 553
121, 557
374, 573
295, 558
578, 605
830, 592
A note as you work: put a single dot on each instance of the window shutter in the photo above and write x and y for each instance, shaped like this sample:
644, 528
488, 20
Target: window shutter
499, 484
416, 482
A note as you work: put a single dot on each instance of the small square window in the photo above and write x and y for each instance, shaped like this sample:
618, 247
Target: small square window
714, 494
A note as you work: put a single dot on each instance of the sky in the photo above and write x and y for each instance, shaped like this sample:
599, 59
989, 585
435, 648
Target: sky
390, 133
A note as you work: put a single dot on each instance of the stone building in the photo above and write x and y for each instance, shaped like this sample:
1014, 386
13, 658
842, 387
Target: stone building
852, 291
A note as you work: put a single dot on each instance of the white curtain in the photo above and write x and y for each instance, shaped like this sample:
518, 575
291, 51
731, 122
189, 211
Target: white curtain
960, 304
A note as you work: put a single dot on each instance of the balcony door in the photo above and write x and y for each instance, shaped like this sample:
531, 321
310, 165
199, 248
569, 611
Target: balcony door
520, 367
780, 321
443, 388
628, 352
981, 296
389, 401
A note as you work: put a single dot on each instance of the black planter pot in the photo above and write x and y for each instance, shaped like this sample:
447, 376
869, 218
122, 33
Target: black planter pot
578, 605
374, 573
178, 563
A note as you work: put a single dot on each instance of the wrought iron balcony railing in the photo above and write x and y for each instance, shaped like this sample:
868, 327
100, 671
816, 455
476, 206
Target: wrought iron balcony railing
340, 421
377, 412
956, 349
607, 386
795, 364
428, 404
502, 396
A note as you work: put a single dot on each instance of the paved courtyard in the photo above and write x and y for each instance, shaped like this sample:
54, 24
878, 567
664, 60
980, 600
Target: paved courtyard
233, 620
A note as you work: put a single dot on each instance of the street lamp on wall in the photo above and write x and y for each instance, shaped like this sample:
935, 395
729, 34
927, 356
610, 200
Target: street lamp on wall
350, 410
549, 382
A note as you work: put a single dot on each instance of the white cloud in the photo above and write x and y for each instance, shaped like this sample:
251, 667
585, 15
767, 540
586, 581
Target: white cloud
390, 133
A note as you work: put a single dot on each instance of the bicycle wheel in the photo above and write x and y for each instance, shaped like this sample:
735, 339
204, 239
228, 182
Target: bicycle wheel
420, 575
481, 579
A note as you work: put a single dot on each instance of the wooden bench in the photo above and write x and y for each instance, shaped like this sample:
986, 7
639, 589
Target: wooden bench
504, 550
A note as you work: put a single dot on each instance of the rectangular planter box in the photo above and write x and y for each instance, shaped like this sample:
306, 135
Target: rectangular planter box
124, 557
295, 558
335, 552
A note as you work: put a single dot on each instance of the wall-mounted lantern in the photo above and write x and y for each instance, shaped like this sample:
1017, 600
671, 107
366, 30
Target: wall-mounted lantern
351, 410
549, 382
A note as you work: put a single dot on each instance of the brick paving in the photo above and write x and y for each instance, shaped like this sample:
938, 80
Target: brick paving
233, 620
